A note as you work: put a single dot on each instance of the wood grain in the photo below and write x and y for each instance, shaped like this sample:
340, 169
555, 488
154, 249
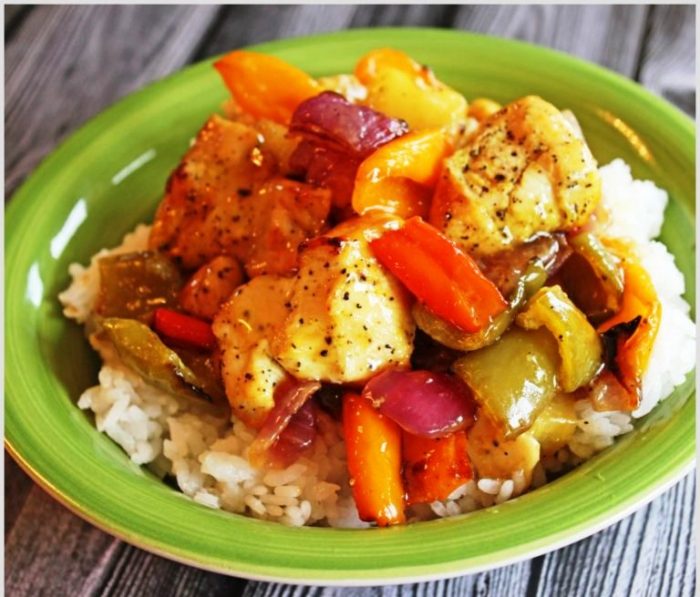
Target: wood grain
61, 52
648, 553
608, 35
667, 65
68, 63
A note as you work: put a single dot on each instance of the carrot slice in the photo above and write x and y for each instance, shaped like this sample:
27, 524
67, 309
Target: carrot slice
374, 462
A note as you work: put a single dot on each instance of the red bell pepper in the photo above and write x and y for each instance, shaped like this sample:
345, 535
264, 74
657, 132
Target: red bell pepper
434, 467
441, 276
183, 329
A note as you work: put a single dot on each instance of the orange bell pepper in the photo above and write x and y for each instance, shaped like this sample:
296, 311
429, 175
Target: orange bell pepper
441, 276
373, 445
639, 299
265, 86
434, 467
399, 177
371, 63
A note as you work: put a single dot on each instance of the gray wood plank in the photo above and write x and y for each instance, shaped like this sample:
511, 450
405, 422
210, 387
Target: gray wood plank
510, 580
648, 553
423, 15
68, 63
136, 572
608, 35
17, 488
14, 15
667, 65
245, 25
49, 548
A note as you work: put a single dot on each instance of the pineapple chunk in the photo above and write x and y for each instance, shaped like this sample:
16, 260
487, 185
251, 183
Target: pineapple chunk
349, 317
242, 327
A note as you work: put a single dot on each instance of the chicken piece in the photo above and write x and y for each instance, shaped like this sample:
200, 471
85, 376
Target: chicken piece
242, 327
211, 286
496, 457
349, 316
199, 218
282, 214
224, 199
526, 171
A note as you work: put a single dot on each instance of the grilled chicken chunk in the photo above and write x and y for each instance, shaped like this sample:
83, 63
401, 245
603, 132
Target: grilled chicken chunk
224, 199
527, 170
243, 327
211, 286
349, 317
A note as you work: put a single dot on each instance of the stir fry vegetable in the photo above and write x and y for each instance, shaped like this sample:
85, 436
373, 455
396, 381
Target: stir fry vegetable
265, 86
142, 350
402, 88
449, 335
398, 177
592, 277
372, 64
579, 346
639, 300
336, 136
556, 424
434, 467
183, 329
373, 444
423, 403
456, 291
134, 285
513, 379
290, 398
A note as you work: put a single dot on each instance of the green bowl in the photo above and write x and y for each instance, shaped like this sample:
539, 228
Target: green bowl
110, 175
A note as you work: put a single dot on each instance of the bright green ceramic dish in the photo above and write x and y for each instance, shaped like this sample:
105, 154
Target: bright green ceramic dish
110, 175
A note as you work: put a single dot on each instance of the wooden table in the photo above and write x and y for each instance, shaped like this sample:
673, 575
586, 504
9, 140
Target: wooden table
63, 65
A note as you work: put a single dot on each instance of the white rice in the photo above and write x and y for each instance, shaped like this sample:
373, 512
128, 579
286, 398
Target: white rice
208, 455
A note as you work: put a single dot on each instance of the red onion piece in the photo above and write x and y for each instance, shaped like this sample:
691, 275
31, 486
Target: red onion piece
356, 130
423, 403
326, 167
290, 397
296, 437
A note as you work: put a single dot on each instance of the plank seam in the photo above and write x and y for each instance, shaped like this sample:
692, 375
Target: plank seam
646, 36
